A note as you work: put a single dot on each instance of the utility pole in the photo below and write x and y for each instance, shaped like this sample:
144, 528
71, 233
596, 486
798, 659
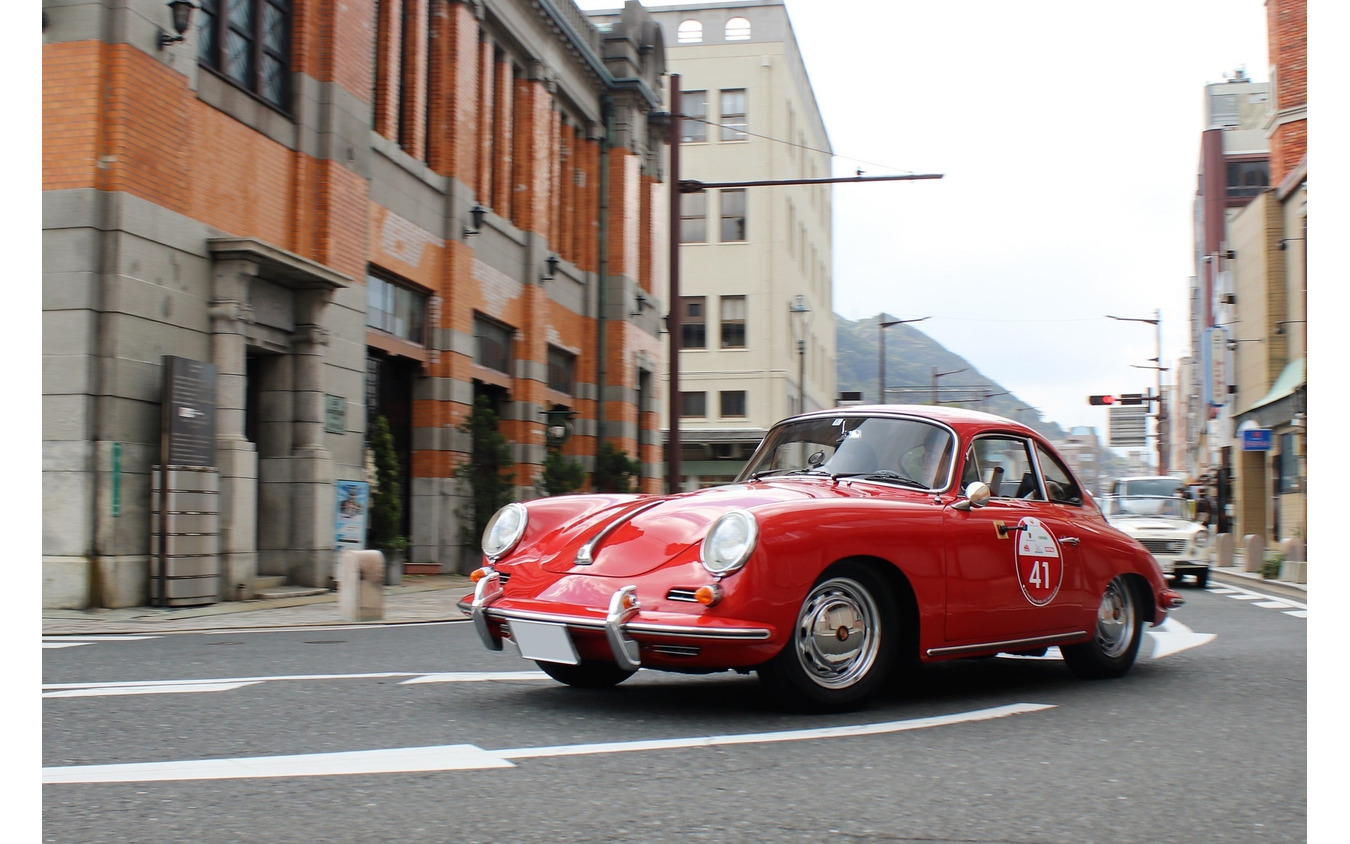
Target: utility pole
882, 325
1161, 416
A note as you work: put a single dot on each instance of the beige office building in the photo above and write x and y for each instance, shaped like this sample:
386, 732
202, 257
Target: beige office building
757, 334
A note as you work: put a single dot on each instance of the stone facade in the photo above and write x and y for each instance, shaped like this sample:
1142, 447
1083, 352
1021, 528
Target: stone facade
235, 213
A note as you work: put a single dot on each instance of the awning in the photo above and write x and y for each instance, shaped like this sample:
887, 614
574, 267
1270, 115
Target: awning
1276, 406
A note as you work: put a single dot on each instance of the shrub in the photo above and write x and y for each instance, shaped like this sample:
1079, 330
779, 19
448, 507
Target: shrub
485, 472
614, 471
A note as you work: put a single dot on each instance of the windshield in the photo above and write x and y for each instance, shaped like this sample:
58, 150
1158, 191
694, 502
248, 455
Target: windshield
910, 452
1147, 486
1126, 506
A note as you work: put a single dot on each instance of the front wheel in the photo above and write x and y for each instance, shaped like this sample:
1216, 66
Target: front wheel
842, 646
1115, 639
586, 675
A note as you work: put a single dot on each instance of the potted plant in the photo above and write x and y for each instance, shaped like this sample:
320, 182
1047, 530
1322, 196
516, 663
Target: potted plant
386, 509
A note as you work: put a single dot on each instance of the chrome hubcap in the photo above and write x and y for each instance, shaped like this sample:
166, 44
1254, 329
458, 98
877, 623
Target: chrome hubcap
1115, 620
837, 635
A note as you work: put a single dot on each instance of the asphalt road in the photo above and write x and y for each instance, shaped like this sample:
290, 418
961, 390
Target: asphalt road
416, 733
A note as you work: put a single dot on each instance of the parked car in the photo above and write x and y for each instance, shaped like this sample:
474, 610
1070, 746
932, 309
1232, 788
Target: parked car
1162, 524
856, 542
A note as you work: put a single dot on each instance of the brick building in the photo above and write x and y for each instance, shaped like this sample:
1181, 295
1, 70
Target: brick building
334, 211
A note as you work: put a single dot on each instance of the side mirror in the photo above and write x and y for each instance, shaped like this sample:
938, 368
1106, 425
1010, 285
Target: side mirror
977, 495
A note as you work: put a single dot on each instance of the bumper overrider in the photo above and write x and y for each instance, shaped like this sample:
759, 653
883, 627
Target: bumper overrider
621, 625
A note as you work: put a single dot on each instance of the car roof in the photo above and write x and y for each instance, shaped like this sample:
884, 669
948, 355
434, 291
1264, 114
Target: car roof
955, 417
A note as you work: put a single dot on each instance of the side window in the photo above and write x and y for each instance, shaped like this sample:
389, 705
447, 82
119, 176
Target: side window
1004, 464
1060, 486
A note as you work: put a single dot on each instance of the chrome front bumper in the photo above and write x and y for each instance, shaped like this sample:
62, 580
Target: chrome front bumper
617, 625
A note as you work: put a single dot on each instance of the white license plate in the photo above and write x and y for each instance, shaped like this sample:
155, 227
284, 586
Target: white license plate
546, 642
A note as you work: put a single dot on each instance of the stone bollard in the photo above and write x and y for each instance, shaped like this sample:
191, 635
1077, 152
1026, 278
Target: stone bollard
1294, 550
1253, 552
1223, 550
361, 585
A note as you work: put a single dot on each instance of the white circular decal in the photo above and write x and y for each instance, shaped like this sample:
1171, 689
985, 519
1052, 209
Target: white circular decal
1040, 570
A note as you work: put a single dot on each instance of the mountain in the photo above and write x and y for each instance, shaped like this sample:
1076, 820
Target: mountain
911, 359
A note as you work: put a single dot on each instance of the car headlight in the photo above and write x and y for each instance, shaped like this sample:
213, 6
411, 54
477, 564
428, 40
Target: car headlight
729, 542
1201, 538
504, 529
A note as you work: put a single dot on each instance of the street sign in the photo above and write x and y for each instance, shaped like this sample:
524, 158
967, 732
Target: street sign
1256, 439
1127, 427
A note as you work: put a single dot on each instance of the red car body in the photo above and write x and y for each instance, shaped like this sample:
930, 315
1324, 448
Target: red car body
849, 572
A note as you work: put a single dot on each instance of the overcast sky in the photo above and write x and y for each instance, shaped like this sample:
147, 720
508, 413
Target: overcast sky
1068, 135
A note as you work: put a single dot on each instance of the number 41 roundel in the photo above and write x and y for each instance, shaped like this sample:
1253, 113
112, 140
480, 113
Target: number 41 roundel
1040, 570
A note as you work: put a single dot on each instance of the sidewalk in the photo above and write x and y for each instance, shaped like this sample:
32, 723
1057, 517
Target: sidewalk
418, 598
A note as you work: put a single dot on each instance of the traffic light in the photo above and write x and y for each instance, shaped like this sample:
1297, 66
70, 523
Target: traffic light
1123, 398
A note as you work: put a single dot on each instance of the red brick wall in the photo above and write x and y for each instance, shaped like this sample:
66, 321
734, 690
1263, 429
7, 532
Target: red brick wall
1287, 33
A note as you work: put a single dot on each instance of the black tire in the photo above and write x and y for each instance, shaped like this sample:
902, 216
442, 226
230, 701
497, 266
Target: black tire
1115, 638
842, 647
1202, 578
586, 675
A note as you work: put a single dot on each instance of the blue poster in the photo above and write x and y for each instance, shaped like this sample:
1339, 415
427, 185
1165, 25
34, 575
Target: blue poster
353, 499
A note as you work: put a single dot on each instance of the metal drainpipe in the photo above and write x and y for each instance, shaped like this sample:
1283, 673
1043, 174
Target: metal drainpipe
607, 111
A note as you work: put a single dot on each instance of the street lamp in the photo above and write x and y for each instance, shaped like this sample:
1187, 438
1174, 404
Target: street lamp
800, 313
882, 325
937, 375
1162, 403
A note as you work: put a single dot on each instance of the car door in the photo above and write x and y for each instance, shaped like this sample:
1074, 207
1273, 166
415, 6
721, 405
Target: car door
1013, 571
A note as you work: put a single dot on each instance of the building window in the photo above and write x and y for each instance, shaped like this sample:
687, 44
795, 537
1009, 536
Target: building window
733, 403
733, 114
689, 32
733, 216
694, 217
738, 29
249, 43
1286, 465
694, 126
693, 323
1247, 178
396, 310
562, 367
693, 404
733, 322
492, 342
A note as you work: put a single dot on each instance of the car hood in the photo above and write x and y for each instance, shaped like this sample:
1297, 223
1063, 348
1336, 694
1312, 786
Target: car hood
625, 537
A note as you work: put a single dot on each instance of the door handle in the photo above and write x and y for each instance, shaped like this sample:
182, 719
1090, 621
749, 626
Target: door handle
1070, 540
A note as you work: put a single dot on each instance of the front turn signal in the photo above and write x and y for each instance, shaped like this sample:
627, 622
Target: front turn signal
710, 595
478, 574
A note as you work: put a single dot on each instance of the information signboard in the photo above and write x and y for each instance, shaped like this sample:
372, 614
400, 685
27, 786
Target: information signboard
1128, 426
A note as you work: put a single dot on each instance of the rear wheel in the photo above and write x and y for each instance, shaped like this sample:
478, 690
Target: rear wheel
586, 675
842, 646
1115, 639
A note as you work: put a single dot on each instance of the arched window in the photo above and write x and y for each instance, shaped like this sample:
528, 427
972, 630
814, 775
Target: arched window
690, 32
738, 29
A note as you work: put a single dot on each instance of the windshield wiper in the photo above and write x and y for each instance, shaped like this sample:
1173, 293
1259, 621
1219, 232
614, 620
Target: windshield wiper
881, 475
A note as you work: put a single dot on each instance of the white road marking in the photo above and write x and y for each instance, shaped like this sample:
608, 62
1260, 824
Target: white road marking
1268, 601
1173, 637
476, 677
462, 757
221, 684
166, 689
1298, 613
56, 642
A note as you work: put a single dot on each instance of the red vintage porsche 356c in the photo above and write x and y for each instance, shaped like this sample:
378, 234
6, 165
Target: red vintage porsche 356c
855, 543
